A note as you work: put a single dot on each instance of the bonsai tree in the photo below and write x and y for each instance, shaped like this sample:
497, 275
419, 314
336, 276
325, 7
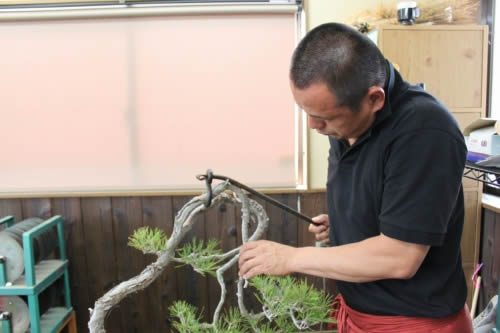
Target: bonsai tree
287, 304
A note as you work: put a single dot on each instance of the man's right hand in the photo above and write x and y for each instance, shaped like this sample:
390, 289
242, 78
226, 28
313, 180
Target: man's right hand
321, 232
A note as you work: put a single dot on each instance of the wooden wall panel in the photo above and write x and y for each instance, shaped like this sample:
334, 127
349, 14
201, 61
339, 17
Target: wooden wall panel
101, 267
314, 204
11, 207
36, 207
470, 250
282, 225
127, 217
158, 213
70, 209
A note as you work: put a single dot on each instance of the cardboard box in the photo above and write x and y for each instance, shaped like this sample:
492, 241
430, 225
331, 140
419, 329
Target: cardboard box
484, 136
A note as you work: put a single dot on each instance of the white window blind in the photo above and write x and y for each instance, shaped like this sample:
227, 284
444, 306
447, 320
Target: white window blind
144, 103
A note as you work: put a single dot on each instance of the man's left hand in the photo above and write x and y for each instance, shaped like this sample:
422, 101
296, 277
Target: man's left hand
265, 257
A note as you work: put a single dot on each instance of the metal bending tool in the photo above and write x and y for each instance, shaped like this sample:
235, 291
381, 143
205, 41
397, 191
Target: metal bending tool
209, 176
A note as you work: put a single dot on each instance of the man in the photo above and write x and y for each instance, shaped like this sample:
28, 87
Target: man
394, 192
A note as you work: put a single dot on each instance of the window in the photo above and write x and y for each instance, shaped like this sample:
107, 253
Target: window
143, 99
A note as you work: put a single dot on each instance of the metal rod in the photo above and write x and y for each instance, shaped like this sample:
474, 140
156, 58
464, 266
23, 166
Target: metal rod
125, 10
276, 203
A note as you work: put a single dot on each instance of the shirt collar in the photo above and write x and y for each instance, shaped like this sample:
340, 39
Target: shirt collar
386, 111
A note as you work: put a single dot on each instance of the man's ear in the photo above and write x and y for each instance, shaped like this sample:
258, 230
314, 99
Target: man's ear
376, 98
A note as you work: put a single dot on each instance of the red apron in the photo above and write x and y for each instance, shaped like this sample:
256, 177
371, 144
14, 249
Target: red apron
349, 320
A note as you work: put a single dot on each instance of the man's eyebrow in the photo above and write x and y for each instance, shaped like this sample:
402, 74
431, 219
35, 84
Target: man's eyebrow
319, 117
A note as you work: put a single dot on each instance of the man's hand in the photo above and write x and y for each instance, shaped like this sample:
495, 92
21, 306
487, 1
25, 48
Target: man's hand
265, 257
321, 232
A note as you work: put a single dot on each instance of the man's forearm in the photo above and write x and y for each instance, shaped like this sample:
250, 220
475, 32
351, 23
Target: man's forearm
373, 259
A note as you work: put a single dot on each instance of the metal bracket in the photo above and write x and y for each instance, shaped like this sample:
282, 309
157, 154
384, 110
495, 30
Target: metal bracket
482, 174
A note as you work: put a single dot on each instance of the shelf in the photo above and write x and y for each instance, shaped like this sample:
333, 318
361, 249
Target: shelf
52, 320
37, 277
46, 272
482, 174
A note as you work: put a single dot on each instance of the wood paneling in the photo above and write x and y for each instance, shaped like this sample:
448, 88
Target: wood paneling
471, 232
158, 213
127, 217
11, 207
102, 268
312, 205
282, 226
36, 207
76, 247
471, 237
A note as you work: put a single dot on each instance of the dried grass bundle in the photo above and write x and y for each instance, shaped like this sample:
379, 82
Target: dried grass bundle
431, 11
449, 12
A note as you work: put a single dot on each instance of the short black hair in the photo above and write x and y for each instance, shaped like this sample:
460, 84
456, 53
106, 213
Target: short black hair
343, 58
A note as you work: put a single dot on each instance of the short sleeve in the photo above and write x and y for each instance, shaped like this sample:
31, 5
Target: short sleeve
422, 181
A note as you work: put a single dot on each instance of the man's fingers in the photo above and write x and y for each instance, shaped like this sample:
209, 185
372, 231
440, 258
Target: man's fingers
246, 255
324, 224
248, 268
323, 235
249, 245
264, 257
250, 273
323, 219
317, 228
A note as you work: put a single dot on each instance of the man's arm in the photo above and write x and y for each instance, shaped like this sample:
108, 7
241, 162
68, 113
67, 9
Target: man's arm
375, 258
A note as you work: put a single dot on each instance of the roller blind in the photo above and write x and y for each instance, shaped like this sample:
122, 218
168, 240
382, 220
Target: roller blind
115, 103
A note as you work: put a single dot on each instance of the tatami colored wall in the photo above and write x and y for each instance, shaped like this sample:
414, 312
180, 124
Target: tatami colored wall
319, 12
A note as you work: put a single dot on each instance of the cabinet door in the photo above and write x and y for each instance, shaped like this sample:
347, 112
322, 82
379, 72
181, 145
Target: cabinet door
471, 232
463, 119
448, 61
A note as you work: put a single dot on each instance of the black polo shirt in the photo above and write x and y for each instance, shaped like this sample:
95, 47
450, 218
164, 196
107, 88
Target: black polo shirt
403, 178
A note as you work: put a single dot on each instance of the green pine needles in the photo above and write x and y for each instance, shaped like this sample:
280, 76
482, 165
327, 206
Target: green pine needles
148, 240
204, 258
188, 321
289, 305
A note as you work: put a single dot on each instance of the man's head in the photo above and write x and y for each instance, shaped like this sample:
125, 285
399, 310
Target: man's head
335, 72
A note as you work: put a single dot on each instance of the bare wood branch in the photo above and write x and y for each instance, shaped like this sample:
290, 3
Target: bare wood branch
183, 222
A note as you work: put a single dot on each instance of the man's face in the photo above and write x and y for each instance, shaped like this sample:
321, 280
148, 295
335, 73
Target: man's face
326, 117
